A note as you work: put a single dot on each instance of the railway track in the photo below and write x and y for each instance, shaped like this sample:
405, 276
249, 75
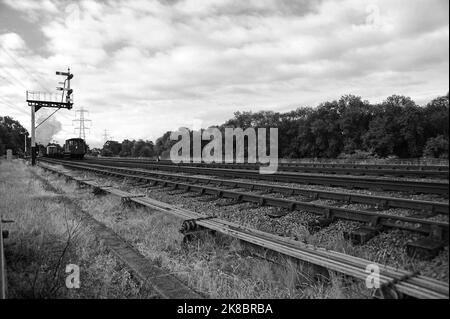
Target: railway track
440, 172
326, 213
384, 202
392, 280
362, 182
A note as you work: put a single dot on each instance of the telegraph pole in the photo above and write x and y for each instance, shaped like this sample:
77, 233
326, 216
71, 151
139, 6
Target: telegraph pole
37, 100
82, 120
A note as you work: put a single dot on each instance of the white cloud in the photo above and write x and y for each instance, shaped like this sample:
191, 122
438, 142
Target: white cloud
11, 41
144, 67
29, 6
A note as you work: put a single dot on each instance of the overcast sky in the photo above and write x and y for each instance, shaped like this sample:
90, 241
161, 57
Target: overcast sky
144, 67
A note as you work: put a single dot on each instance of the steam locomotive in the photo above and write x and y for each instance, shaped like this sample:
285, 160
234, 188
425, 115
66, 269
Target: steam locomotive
73, 148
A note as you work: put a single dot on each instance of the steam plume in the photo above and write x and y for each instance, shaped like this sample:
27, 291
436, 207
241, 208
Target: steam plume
45, 132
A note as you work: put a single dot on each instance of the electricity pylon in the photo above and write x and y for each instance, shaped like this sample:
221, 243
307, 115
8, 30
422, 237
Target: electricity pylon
82, 123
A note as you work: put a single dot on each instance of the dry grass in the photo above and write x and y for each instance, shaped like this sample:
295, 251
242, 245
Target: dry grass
45, 237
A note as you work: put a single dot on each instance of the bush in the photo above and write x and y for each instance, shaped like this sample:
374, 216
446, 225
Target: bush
436, 147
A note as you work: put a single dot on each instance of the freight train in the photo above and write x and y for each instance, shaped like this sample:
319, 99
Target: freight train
73, 148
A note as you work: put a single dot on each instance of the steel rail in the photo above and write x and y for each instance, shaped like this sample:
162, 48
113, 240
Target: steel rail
313, 168
402, 281
289, 177
304, 164
389, 221
428, 207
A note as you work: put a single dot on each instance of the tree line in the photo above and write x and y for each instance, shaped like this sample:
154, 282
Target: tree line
127, 148
351, 128
348, 127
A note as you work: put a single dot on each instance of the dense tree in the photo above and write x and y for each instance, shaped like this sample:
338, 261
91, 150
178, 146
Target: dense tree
325, 128
437, 147
142, 149
12, 135
111, 148
126, 148
355, 116
384, 136
436, 115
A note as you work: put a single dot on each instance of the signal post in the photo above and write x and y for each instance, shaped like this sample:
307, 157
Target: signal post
37, 100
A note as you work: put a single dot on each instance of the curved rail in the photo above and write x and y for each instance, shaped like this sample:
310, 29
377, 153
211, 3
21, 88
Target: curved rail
344, 169
289, 177
418, 225
415, 167
385, 202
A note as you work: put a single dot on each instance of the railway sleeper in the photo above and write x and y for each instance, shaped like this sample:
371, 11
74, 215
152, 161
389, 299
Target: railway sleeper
429, 247
233, 202
322, 222
177, 192
363, 234
198, 193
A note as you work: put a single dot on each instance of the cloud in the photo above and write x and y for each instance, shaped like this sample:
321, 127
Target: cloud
30, 6
32, 9
144, 67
